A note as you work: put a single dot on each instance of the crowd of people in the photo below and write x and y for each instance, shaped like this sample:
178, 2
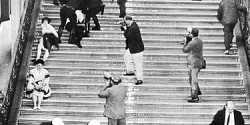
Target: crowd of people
81, 11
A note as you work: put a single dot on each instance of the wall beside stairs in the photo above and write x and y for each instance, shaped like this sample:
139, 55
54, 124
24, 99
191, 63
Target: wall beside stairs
8, 35
77, 74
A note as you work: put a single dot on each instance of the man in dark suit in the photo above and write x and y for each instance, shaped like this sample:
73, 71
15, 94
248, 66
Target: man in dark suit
228, 18
195, 62
228, 116
115, 95
122, 7
134, 49
94, 7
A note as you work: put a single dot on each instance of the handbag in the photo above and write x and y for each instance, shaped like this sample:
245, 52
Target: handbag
219, 13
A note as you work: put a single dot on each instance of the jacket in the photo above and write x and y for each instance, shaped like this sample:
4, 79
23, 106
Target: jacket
115, 105
195, 52
229, 10
133, 39
219, 118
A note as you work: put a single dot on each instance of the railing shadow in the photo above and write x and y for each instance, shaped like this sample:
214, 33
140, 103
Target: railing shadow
19, 64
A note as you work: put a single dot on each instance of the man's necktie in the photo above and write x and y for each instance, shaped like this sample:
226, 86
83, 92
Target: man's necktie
228, 118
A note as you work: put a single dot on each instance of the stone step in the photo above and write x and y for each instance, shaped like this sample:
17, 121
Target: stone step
98, 70
99, 81
77, 120
130, 102
106, 55
145, 113
147, 42
149, 64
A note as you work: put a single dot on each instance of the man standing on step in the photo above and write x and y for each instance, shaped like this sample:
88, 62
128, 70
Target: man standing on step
134, 50
115, 95
228, 16
228, 116
68, 11
195, 62
94, 7
122, 7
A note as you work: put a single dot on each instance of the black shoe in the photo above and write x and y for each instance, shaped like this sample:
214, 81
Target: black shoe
86, 35
199, 93
78, 45
96, 28
129, 74
193, 100
138, 82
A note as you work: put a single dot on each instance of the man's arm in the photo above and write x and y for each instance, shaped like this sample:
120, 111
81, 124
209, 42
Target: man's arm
104, 92
188, 47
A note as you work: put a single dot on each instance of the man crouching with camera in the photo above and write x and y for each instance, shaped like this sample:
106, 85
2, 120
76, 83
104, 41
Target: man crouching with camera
115, 94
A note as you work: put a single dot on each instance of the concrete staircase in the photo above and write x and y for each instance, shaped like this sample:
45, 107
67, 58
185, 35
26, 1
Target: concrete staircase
77, 74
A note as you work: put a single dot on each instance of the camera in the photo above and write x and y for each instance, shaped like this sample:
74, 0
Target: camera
123, 25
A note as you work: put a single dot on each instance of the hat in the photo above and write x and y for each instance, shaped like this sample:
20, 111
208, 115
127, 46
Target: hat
116, 78
57, 121
94, 122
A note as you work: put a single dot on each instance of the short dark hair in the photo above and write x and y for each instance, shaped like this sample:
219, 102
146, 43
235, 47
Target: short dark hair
46, 18
128, 18
39, 61
195, 32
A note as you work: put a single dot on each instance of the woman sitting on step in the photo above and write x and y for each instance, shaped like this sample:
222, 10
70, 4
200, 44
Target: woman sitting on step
50, 38
38, 84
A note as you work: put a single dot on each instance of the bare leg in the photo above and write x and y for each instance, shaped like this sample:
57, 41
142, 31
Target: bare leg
34, 97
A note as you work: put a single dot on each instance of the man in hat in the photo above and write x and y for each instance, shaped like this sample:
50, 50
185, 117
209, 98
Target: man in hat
115, 94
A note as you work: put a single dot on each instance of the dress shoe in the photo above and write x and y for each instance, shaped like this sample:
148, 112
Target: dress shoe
96, 28
199, 93
129, 74
86, 35
78, 45
193, 100
138, 82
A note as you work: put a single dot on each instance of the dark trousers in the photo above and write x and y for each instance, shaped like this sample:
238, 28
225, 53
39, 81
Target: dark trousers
49, 40
64, 14
116, 121
122, 8
92, 14
228, 35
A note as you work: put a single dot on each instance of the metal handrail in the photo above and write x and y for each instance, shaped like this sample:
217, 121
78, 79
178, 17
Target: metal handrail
242, 34
15, 82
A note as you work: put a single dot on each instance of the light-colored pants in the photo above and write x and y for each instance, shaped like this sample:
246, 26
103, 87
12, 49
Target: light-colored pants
136, 58
193, 79
116, 121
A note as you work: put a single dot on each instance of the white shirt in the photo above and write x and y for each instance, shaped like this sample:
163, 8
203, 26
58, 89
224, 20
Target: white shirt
231, 120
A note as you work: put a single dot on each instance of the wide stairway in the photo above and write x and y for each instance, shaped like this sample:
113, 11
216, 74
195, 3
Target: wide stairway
77, 74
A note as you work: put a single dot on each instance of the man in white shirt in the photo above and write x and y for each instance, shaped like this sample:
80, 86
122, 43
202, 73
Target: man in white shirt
228, 116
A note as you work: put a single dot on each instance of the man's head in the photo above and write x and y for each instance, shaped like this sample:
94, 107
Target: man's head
57, 121
195, 32
114, 78
230, 106
128, 20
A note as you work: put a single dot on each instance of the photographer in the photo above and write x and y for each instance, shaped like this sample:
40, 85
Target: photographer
115, 94
134, 50
195, 62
